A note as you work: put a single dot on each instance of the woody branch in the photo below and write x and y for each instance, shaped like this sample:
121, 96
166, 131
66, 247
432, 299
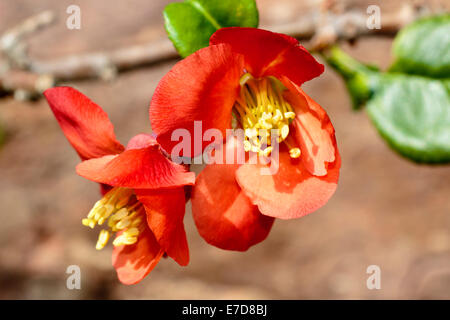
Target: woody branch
26, 76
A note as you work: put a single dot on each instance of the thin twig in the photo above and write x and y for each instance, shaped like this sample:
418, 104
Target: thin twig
106, 64
11, 42
323, 27
326, 28
14, 60
26, 82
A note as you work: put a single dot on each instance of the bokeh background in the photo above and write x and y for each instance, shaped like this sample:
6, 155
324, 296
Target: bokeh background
387, 211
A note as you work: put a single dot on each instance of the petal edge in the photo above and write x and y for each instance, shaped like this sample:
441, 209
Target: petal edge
145, 168
84, 123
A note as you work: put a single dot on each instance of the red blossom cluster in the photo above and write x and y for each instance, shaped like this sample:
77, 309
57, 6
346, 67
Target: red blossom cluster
247, 79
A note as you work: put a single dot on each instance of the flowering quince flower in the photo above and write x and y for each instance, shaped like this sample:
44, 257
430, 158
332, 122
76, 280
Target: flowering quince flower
251, 76
144, 200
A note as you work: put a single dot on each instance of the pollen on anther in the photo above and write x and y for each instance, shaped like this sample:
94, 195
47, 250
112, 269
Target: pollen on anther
263, 113
295, 153
122, 211
103, 238
284, 131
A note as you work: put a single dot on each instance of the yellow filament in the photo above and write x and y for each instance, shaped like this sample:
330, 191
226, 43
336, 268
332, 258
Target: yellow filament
123, 212
261, 108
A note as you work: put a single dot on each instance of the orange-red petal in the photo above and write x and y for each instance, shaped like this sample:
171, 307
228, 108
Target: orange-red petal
134, 262
165, 210
290, 193
142, 140
83, 122
313, 131
145, 168
224, 216
270, 54
202, 87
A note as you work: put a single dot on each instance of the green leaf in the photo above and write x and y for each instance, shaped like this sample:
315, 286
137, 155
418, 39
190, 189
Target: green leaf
423, 48
410, 104
413, 115
191, 23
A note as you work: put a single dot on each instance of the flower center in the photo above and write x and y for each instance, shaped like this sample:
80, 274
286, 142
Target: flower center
125, 214
263, 113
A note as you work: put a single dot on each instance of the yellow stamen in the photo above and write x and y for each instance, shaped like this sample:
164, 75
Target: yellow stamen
284, 132
123, 212
294, 153
132, 232
103, 238
122, 240
267, 151
289, 115
247, 145
261, 108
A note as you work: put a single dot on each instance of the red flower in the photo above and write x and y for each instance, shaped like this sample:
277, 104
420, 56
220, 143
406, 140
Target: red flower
144, 199
253, 76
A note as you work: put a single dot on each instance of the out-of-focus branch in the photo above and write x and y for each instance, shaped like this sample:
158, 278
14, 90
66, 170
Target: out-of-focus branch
325, 27
14, 60
348, 25
22, 74
25, 84
11, 42
106, 64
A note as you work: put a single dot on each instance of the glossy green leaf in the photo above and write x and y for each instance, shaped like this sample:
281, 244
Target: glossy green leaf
191, 23
423, 48
413, 115
410, 104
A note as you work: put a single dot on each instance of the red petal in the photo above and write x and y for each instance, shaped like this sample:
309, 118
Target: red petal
134, 262
314, 131
202, 87
290, 193
270, 54
145, 168
140, 141
224, 216
84, 123
165, 213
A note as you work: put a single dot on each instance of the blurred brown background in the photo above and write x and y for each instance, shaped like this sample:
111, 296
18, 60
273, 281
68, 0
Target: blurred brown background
387, 211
